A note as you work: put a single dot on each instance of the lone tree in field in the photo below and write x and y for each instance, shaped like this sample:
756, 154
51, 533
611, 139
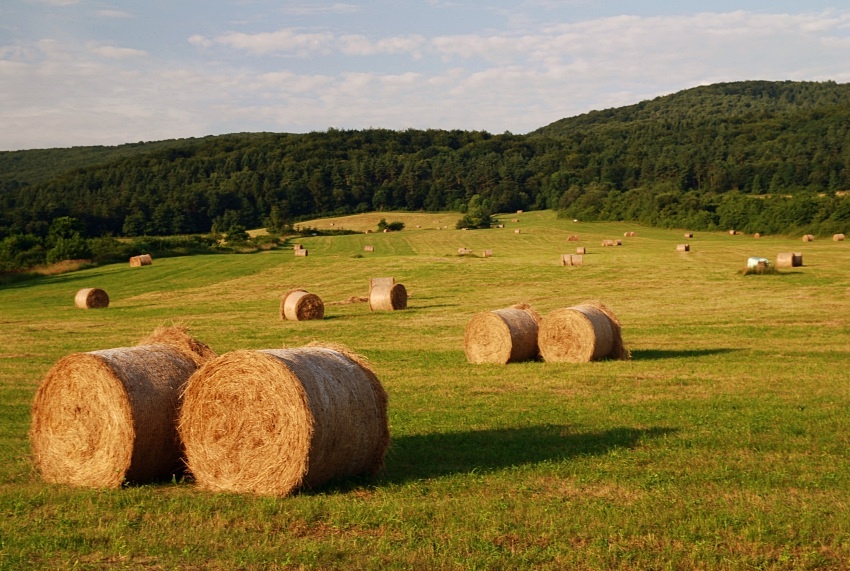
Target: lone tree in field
477, 214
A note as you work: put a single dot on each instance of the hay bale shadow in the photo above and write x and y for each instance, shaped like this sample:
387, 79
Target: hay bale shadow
654, 354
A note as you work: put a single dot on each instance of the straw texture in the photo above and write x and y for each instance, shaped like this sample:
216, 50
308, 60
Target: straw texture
141, 260
271, 421
300, 305
502, 336
582, 333
107, 417
385, 297
838, 237
683, 248
91, 298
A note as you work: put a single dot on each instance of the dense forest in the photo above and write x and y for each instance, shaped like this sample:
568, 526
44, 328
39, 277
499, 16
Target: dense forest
772, 157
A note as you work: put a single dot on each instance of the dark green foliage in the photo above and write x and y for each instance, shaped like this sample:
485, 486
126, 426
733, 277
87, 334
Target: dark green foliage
755, 155
395, 226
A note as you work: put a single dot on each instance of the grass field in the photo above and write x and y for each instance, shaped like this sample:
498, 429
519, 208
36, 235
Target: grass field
723, 444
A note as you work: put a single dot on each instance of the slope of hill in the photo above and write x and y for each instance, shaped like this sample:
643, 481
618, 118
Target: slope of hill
680, 160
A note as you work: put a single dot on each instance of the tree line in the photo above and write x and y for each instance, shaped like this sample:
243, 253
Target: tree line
755, 156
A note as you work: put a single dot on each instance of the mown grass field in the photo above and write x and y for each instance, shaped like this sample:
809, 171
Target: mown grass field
723, 444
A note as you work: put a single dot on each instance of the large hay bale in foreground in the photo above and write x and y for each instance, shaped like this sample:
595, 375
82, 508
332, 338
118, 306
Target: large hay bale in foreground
91, 298
502, 336
141, 260
585, 332
387, 297
301, 305
107, 417
268, 422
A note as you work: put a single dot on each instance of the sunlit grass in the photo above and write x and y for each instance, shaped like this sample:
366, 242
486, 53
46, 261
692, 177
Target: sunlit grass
722, 444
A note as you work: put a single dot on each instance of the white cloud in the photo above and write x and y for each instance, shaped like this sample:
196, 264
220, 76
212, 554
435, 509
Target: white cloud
115, 52
118, 14
286, 41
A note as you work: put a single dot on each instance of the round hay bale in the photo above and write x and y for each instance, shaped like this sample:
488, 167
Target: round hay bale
270, 421
683, 248
785, 260
141, 260
838, 237
368, 248
300, 305
808, 238
689, 234
502, 336
573, 238
757, 235
107, 417
387, 297
798, 259
582, 333
581, 250
91, 298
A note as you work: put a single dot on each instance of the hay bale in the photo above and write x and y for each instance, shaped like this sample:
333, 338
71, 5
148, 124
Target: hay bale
300, 305
517, 231
91, 298
271, 421
573, 238
630, 235
808, 238
783, 260
585, 332
607, 242
683, 248
368, 248
463, 251
798, 259
732, 232
385, 297
301, 253
618, 242
581, 250
141, 260
689, 234
298, 246
502, 336
380, 281
488, 253
756, 235
571, 260
106, 417
838, 237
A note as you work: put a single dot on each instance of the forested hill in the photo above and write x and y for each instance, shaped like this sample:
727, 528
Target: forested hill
692, 159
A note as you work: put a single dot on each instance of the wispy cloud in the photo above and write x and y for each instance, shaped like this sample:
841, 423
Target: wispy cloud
116, 52
117, 14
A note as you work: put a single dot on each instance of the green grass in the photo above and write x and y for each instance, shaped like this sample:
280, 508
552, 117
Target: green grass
723, 444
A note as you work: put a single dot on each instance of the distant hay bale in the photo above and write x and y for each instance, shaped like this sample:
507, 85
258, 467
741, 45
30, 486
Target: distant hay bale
517, 231
271, 421
581, 250
91, 298
629, 234
756, 235
683, 248
502, 336
785, 260
582, 333
301, 253
298, 246
608, 243
141, 260
107, 417
368, 248
300, 305
488, 253
571, 260
808, 238
463, 251
514, 219
573, 238
689, 234
618, 242
519, 211
838, 237
388, 297
732, 232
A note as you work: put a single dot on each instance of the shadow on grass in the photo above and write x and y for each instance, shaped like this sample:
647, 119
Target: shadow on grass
653, 354
419, 457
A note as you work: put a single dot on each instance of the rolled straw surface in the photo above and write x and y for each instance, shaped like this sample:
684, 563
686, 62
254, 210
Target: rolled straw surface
387, 297
141, 260
785, 260
268, 422
502, 336
585, 332
683, 248
106, 417
838, 237
91, 298
300, 305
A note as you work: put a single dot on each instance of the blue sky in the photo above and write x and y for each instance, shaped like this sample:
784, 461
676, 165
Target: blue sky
100, 72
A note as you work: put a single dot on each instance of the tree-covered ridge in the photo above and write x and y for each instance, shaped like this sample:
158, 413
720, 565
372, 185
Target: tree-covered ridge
698, 158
